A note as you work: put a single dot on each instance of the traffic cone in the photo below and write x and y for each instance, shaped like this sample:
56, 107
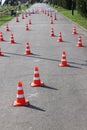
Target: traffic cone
55, 18
63, 60
74, 30
20, 99
36, 79
1, 54
52, 32
47, 13
30, 21
79, 43
12, 38
27, 50
50, 14
7, 28
27, 28
22, 15
1, 37
51, 20
17, 20
59, 38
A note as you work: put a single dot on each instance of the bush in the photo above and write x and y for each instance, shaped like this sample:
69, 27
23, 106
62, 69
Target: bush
82, 7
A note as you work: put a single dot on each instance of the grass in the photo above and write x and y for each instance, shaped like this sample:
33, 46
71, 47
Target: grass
7, 17
82, 21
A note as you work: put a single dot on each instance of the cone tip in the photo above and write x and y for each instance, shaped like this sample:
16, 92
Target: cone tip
19, 83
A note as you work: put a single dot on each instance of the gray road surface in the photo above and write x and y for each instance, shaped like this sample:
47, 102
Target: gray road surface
62, 103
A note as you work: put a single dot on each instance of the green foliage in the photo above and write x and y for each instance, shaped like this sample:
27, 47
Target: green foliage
82, 7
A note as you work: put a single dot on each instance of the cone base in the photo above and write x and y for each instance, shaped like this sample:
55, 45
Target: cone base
26, 103
74, 33
1, 54
37, 85
27, 53
63, 65
79, 45
52, 35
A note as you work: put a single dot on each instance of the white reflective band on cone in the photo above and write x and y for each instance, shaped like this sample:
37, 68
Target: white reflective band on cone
19, 88
20, 95
35, 72
36, 78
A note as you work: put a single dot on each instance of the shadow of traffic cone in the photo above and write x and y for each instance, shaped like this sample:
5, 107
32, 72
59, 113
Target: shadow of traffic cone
17, 20
59, 37
52, 32
1, 54
55, 18
79, 43
20, 99
27, 28
51, 20
63, 60
7, 28
1, 37
36, 79
74, 30
12, 38
27, 50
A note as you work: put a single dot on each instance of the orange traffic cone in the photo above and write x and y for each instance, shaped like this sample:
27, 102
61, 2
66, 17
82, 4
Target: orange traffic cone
27, 28
1, 54
22, 15
30, 21
36, 79
63, 60
47, 13
79, 43
20, 99
51, 20
74, 30
55, 18
27, 51
50, 14
1, 37
7, 28
59, 38
12, 38
17, 20
52, 32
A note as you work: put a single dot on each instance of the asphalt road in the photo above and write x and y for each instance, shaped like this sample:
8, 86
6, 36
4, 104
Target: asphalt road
62, 103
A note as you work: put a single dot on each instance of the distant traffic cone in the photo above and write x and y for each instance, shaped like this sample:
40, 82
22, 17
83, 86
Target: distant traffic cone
17, 20
27, 50
52, 32
22, 15
36, 79
12, 38
29, 13
7, 28
59, 38
20, 99
1, 37
30, 21
1, 54
51, 20
50, 14
27, 28
74, 30
55, 18
79, 43
63, 60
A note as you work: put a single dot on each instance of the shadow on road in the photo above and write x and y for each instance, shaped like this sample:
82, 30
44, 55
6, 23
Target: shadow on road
35, 107
49, 87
